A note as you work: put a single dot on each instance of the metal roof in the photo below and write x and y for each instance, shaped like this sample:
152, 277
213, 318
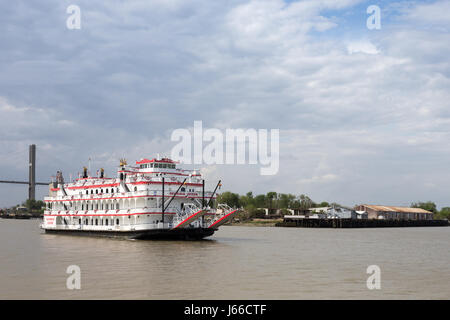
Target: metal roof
396, 209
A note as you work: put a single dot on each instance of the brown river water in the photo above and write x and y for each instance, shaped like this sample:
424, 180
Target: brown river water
235, 263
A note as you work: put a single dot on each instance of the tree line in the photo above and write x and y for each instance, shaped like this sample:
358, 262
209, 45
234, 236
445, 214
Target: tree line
31, 205
252, 204
273, 200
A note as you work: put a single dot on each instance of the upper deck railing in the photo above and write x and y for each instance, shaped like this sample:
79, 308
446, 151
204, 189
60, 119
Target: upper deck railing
131, 194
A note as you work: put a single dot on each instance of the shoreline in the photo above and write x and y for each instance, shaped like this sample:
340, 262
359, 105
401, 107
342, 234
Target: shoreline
256, 223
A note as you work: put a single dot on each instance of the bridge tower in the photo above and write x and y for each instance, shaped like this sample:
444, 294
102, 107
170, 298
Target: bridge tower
32, 172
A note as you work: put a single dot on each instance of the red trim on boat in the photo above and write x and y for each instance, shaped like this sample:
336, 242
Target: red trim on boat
112, 198
191, 216
222, 218
164, 160
94, 186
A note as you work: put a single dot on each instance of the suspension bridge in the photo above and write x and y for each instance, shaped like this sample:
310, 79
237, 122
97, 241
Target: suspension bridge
31, 175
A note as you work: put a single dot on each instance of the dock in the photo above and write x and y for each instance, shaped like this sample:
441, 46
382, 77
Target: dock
359, 223
20, 216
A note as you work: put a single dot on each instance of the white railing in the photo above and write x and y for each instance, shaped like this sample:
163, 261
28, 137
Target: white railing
149, 193
182, 214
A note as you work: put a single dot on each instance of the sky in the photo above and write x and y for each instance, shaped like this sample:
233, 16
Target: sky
364, 115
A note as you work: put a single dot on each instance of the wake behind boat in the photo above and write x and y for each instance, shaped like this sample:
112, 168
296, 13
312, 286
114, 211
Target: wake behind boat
153, 200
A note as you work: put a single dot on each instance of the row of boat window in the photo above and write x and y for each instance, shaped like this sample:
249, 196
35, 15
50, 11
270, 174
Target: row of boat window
101, 191
158, 165
97, 191
96, 222
86, 206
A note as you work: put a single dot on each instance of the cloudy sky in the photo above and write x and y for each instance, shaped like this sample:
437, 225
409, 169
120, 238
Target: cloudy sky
364, 115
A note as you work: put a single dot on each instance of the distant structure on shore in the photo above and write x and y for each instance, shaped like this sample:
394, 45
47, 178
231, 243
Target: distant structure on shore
395, 213
363, 211
362, 216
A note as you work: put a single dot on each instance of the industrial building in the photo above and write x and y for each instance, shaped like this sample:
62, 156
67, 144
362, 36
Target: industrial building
394, 213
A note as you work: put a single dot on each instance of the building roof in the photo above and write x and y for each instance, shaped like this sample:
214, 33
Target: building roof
396, 209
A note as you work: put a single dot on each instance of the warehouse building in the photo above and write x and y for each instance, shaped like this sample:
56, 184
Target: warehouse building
394, 213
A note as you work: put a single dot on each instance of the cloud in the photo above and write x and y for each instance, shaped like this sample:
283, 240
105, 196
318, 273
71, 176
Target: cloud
363, 115
434, 14
362, 47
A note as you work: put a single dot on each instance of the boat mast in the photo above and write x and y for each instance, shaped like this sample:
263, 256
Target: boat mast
175, 194
210, 199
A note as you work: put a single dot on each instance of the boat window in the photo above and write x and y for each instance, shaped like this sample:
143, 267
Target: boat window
87, 191
135, 188
96, 222
165, 165
117, 221
106, 221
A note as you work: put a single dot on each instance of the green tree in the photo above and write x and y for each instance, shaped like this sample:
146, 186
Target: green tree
253, 212
260, 201
444, 213
269, 197
231, 199
34, 205
305, 202
246, 200
286, 201
429, 205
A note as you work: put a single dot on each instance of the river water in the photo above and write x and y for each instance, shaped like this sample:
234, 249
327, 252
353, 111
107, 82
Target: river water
236, 263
